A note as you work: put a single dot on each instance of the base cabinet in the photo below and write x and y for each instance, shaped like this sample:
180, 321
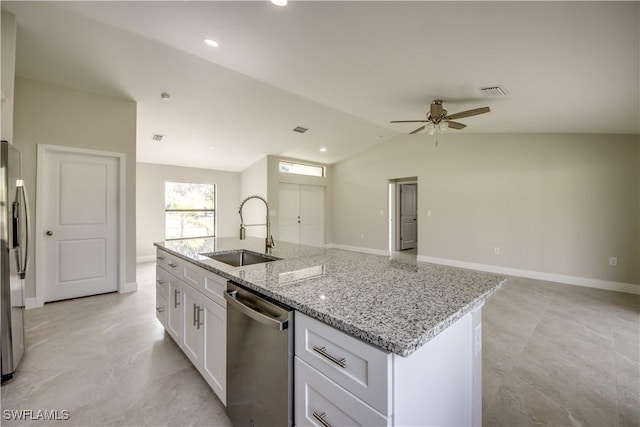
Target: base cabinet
196, 316
342, 381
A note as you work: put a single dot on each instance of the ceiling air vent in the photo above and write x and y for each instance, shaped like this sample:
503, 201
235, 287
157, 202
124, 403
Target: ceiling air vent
494, 91
157, 137
300, 129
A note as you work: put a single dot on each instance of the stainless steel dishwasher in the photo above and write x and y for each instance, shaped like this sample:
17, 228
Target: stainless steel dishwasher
259, 360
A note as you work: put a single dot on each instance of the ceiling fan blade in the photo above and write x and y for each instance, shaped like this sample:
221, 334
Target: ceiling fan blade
456, 125
417, 130
469, 113
408, 121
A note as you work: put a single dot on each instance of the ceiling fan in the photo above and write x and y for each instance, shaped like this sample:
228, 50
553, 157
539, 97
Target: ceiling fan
437, 118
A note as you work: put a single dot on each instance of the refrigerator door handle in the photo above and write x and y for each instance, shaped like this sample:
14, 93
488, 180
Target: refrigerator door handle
22, 193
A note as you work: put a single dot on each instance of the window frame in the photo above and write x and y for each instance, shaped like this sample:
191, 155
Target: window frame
203, 210
323, 169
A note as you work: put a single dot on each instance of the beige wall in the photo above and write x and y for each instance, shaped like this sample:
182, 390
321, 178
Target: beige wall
253, 181
53, 115
554, 203
150, 201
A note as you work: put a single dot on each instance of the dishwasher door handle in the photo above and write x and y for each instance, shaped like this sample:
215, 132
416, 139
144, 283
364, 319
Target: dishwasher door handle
265, 319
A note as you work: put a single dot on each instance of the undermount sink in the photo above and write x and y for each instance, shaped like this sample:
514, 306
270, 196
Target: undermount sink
240, 257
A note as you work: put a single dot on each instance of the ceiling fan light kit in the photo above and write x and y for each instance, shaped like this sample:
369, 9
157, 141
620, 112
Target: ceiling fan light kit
438, 121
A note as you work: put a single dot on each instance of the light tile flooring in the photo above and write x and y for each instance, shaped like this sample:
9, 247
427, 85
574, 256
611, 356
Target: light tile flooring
554, 355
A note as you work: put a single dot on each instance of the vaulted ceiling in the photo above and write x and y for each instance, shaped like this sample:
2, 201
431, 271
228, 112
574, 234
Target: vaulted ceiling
341, 69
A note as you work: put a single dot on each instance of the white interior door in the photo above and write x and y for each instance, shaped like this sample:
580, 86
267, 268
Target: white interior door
408, 216
312, 215
301, 216
289, 213
79, 199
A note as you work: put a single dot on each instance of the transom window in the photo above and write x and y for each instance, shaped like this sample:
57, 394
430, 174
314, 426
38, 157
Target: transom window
301, 168
189, 210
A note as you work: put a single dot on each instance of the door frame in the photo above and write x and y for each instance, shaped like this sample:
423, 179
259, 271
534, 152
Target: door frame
394, 211
43, 150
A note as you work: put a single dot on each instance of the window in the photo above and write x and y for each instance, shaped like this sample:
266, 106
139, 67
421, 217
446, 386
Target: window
301, 169
189, 210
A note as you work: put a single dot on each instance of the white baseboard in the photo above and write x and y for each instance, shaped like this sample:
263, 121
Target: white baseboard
357, 249
145, 258
129, 287
31, 303
629, 288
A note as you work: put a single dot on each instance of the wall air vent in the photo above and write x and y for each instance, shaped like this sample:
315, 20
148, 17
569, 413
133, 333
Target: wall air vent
494, 91
157, 137
300, 129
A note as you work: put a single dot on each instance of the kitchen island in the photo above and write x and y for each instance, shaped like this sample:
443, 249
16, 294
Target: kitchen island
423, 319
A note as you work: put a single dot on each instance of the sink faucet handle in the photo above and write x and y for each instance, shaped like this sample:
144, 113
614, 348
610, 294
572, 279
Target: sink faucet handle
243, 232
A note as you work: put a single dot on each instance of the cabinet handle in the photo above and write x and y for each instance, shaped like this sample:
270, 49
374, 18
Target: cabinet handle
320, 418
195, 315
175, 298
323, 351
160, 309
159, 282
172, 265
160, 258
200, 310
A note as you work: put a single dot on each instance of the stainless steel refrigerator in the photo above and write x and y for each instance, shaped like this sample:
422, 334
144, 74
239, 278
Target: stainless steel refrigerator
14, 233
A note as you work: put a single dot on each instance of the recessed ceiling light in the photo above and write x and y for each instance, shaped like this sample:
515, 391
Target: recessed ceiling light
279, 2
212, 42
323, 149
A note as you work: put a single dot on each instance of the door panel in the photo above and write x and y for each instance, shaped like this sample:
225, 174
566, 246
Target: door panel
301, 216
214, 358
79, 221
192, 330
408, 216
289, 213
312, 215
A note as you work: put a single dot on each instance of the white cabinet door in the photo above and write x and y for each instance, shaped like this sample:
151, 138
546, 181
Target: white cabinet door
175, 314
214, 358
192, 332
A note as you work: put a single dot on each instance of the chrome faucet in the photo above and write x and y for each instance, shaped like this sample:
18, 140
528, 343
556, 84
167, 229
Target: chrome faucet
269, 243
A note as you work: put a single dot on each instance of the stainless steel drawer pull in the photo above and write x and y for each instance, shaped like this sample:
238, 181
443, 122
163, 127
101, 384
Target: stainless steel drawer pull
320, 417
200, 310
172, 265
160, 309
195, 315
323, 351
175, 298
160, 258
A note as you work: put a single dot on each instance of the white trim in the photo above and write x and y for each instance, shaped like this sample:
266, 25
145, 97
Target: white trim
629, 288
357, 249
145, 258
31, 303
128, 287
42, 150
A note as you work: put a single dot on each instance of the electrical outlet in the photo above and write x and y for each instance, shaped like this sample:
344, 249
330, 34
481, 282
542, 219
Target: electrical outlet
428, 213
613, 261
496, 250
362, 236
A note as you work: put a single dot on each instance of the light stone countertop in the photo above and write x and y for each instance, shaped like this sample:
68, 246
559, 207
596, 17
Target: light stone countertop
395, 305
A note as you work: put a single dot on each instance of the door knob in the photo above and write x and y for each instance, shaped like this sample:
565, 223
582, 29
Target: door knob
49, 233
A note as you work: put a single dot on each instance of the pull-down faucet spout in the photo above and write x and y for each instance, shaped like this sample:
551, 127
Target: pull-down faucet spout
269, 243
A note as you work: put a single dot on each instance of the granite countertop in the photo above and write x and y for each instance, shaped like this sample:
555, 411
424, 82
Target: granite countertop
395, 305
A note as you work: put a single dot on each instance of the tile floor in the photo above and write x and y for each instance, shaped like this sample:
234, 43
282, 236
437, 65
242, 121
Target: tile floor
554, 355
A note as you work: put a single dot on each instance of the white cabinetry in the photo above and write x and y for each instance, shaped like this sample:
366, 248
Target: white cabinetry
342, 381
196, 316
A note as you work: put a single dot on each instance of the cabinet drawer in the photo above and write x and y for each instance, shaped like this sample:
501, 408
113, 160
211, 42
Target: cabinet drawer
168, 262
162, 280
213, 287
360, 368
317, 397
161, 307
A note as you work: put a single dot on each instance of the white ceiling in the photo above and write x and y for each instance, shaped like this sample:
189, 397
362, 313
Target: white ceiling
342, 69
